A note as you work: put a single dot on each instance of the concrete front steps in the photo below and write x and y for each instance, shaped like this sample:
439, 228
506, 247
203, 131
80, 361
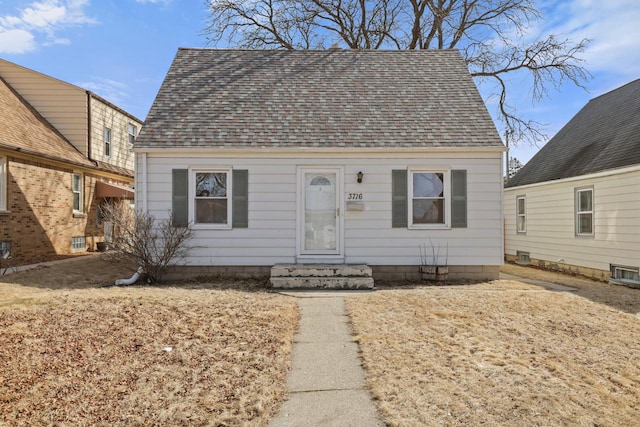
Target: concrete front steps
321, 276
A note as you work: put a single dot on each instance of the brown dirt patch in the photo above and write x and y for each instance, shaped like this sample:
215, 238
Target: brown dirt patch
483, 354
139, 355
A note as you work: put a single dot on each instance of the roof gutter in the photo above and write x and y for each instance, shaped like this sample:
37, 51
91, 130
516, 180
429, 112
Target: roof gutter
45, 156
329, 150
594, 175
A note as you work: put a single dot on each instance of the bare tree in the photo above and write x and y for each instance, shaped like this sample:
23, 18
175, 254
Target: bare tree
141, 239
489, 33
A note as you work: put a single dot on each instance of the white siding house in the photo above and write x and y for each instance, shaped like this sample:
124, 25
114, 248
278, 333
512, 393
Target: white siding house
575, 206
340, 157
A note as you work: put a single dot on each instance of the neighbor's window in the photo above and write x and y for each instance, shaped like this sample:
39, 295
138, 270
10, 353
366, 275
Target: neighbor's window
107, 142
78, 243
3, 183
77, 192
521, 214
132, 131
627, 274
5, 249
212, 197
584, 211
429, 198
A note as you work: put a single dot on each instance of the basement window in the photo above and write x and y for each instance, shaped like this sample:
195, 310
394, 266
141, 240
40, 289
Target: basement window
523, 258
78, 244
5, 250
625, 275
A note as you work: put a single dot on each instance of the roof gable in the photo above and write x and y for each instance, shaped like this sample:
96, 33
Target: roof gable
603, 135
23, 128
330, 98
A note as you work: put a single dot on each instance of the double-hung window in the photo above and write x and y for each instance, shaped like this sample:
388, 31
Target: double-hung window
584, 211
3, 183
107, 142
77, 192
211, 197
132, 131
429, 198
521, 214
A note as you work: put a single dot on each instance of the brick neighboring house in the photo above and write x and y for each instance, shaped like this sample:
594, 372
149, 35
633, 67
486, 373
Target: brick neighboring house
63, 152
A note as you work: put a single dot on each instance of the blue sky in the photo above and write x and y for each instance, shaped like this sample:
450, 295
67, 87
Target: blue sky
121, 49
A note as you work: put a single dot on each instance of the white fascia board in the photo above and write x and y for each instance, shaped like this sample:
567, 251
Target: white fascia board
608, 172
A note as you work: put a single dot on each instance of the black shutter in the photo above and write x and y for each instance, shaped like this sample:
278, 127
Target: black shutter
399, 201
180, 197
459, 198
240, 206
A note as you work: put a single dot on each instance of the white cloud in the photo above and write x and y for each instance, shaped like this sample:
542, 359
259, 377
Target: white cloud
16, 41
111, 90
39, 22
612, 27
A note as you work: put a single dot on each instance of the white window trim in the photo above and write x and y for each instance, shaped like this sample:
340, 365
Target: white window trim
523, 215
107, 141
578, 212
131, 126
618, 268
80, 192
447, 199
3, 184
192, 199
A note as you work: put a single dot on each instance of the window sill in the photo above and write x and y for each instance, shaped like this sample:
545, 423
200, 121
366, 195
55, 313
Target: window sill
79, 215
584, 236
430, 227
4, 213
211, 227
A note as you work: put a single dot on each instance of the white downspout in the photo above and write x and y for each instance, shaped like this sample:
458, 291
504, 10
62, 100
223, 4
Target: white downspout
131, 280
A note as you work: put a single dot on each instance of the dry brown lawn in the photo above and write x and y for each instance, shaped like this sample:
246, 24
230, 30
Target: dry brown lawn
502, 353
75, 354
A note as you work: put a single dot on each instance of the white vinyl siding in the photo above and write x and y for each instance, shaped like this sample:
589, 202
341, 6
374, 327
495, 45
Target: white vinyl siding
551, 217
368, 233
67, 108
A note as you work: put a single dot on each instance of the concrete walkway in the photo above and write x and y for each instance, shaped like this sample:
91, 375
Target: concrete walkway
326, 383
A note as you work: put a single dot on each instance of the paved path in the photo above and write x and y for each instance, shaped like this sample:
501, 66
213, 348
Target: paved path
326, 383
548, 285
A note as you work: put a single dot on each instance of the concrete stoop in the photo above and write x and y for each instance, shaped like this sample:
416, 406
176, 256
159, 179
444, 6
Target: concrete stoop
321, 276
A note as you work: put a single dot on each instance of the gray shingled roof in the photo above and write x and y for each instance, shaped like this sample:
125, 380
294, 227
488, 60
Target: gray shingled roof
328, 98
604, 135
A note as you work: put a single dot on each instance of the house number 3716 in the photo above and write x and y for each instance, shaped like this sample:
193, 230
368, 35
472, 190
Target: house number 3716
354, 196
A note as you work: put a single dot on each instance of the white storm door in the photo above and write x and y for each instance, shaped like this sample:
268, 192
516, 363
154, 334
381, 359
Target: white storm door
320, 211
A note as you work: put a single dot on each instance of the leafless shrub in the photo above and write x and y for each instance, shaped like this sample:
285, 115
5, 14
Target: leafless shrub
140, 238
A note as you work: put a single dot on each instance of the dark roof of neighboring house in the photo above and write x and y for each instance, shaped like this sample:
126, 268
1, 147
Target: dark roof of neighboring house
24, 130
318, 98
604, 135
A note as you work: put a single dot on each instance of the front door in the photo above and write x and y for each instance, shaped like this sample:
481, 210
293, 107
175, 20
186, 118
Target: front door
319, 229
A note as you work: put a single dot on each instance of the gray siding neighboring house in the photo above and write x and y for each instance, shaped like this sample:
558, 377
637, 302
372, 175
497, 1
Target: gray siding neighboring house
575, 205
336, 156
